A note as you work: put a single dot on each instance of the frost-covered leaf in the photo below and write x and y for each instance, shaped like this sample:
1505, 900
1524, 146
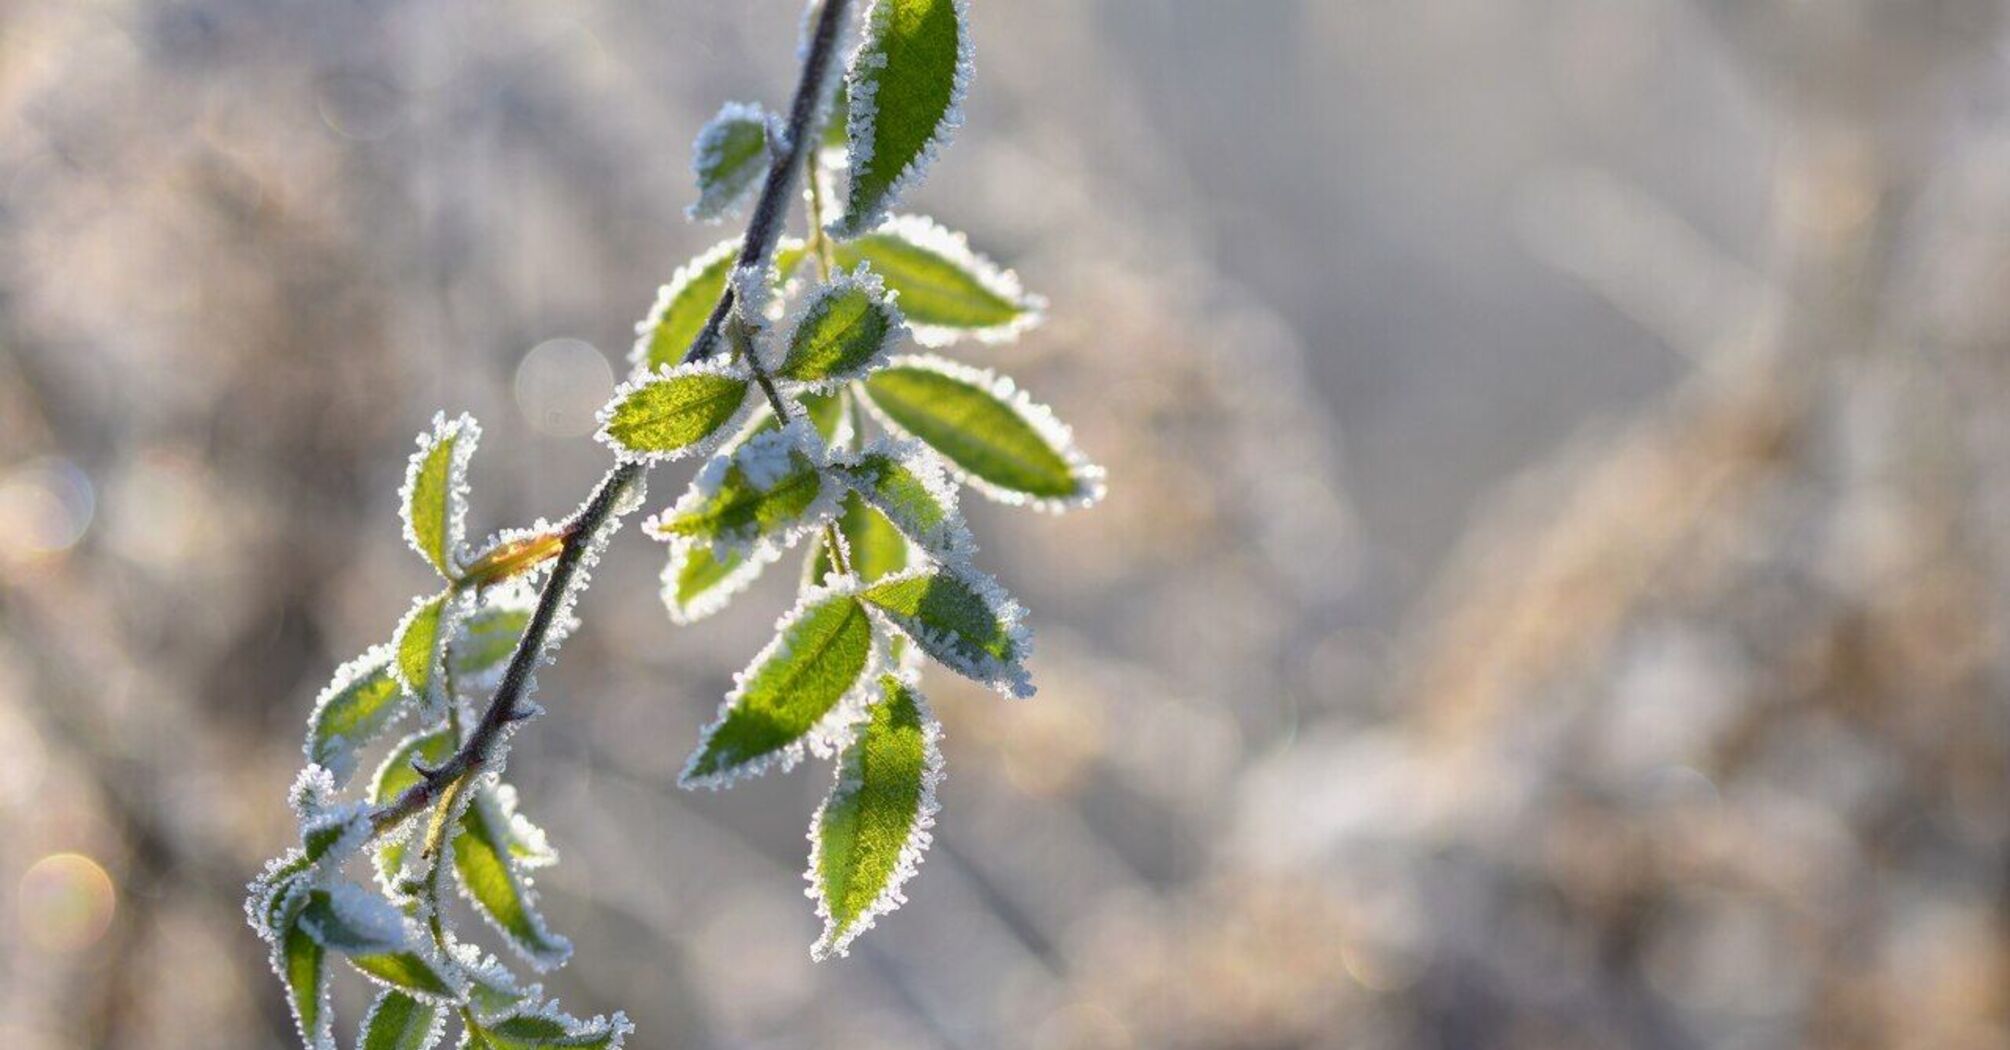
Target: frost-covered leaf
682, 308
684, 411
760, 495
302, 965
799, 693
431, 747
399, 1022
997, 439
493, 991
547, 1029
492, 878
434, 499
486, 639
420, 644
906, 483
945, 290
844, 330
869, 834
699, 580
377, 939
730, 155
905, 92
361, 701
873, 546
963, 620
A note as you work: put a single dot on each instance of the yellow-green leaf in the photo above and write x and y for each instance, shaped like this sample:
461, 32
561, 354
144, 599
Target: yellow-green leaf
998, 440
434, 500
685, 411
790, 699
869, 834
963, 620
903, 93
399, 1022
363, 699
731, 153
682, 308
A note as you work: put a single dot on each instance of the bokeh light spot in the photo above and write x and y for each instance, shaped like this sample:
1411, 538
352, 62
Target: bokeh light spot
560, 384
45, 507
66, 902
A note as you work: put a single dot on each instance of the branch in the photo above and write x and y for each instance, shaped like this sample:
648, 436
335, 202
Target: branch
763, 229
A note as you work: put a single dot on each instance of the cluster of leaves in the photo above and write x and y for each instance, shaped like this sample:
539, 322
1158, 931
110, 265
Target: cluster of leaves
888, 573
444, 657
815, 333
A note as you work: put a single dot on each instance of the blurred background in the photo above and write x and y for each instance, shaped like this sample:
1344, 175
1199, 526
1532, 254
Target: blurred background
1552, 591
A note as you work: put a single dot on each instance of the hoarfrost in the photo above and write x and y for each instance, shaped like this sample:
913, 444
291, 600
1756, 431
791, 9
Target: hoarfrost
932, 237
463, 433
1088, 476
829, 733
863, 92
847, 780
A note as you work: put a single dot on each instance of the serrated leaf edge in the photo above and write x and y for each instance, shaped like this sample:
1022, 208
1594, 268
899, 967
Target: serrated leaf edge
862, 119
1088, 477
722, 198
919, 837
1007, 677
954, 247
465, 434
340, 763
719, 366
828, 734
799, 437
862, 278
667, 296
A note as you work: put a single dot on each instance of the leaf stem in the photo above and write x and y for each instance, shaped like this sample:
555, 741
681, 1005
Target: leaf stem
763, 229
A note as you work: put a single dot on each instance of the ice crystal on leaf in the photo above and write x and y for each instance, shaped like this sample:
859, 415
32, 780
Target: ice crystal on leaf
768, 369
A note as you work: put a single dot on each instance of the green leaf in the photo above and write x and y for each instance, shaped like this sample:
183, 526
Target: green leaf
905, 483
682, 308
433, 747
844, 330
302, 966
963, 620
361, 701
434, 500
944, 290
486, 640
791, 698
548, 1029
873, 546
353, 921
869, 834
684, 411
731, 153
492, 990
495, 884
762, 494
905, 87
997, 439
700, 580
406, 970
399, 1022
420, 645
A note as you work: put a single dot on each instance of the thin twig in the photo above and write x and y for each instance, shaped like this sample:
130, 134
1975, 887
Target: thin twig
763, 229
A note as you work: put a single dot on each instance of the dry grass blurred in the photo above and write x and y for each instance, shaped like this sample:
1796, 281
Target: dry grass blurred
1636, 675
